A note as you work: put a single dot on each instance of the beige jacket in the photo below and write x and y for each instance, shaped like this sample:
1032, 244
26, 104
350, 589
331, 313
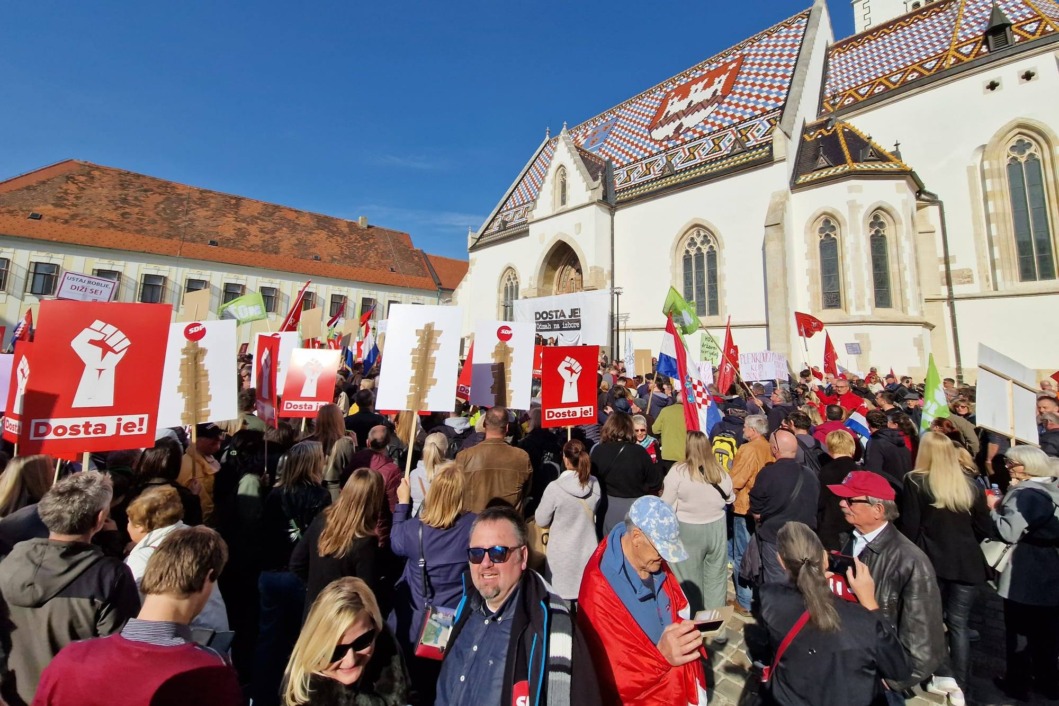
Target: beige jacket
492, 469
750, 458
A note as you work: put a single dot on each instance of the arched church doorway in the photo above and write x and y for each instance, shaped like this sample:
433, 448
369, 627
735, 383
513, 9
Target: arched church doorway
562, 273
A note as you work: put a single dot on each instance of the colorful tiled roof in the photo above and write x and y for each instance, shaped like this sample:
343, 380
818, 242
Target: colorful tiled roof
938, 36
722, 108
833, 148
85, 204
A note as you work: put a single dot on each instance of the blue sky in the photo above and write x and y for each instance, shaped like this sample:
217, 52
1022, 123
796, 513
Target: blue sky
417, 115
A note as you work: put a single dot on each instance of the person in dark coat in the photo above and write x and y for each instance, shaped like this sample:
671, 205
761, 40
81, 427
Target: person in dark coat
886, 453
624, 470
365, 418
781, 407
831, 525
542, 446
844, 651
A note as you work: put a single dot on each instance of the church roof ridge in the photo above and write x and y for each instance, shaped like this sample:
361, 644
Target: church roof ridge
832, 148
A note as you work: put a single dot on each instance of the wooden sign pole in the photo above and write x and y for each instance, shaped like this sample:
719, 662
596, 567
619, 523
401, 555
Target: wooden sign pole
423, 360
86, 459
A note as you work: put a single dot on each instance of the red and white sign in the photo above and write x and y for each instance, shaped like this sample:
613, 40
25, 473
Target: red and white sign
18, 383
499, 344
568, 385
266, 377
217, 380
691, 102
463, 383
310, 381
103, 377
5, 377
84, 288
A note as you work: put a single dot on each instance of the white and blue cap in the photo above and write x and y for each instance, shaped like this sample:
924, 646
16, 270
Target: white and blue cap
658, 521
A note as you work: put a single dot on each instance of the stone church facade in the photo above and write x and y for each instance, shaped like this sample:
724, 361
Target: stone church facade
901, 184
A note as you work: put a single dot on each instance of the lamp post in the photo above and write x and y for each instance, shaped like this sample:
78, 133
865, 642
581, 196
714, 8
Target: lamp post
616, 348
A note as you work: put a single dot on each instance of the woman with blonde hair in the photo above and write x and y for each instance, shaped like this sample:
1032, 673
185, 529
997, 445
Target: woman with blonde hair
944, 512
699, 490
342, 540
345, 654
24, 482
439, 536
435, 447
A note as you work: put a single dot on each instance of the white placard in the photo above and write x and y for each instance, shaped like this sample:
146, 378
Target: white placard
571, 319
488, 389
85, 288
5, 378
763, 365
1006, 396
219, 362
398, 373
852, 349
288, 341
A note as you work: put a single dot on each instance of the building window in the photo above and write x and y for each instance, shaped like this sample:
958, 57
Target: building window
309, 301
366, 305
880, 261
338, 304
232, 290
152, 289
1029, 212
560, 187
389, 306
194, 285
43, 278
5, 267
269, 295
699, 265
508, 294
830, 277
115, 277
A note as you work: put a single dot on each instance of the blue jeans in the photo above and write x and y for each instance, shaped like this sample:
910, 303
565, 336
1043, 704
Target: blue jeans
282, 601
741, 538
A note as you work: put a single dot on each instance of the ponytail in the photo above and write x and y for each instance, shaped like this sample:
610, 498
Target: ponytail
802, 554
574, 452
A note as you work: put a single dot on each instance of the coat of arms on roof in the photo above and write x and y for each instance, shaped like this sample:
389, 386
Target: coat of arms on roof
691, 102
599, 134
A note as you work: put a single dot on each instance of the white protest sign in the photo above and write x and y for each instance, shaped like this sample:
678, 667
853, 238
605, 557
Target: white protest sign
213, 345
310, 381
85, 288
852, 349
1006, 396
568, 319
288, 341
502, 369
763, 365
5, 378
422, 358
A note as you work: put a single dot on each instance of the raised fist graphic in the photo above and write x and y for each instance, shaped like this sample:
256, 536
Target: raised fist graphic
570, 370
312, 370
100, 347
21, 380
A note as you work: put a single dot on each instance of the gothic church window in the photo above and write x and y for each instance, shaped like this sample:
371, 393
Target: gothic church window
508, 294
1034, 245
699, 261
830, 274
880, 261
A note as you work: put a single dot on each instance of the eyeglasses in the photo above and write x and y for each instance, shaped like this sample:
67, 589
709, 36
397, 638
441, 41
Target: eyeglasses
497, 555
641, 431
854, 501
358, 645
1012, 465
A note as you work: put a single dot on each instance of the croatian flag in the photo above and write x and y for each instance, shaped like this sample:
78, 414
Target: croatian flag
667, 356
693, 394
858, 424
371, 351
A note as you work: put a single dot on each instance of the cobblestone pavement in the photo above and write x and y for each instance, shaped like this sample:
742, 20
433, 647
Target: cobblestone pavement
730, 665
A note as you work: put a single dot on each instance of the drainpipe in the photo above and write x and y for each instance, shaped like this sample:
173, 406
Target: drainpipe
950, 297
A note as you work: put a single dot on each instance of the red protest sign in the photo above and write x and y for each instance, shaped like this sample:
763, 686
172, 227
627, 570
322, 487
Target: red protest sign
21, 365
310, 381
568, 385
538, 361
266, 364
463, 384
103, 381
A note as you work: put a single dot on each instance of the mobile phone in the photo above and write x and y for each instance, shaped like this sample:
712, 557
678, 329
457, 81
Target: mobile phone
710, 620
838, 563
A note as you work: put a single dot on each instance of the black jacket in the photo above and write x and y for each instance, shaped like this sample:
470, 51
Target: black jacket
888, 456
772, 497
287, 515
831, 525
949, 539
1050, 443
907, 592
842, 668
362, 422
731, 424
777, 414
362, 560
624, 469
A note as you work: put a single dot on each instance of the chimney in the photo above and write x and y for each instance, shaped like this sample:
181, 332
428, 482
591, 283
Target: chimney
362, 221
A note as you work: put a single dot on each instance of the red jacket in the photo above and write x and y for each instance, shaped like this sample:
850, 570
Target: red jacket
849, 401
630, 669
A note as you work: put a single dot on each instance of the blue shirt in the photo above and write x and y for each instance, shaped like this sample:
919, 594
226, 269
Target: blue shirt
474, 666
646, 601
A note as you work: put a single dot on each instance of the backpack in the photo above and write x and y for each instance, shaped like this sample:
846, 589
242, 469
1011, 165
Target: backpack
811, 456
724, 446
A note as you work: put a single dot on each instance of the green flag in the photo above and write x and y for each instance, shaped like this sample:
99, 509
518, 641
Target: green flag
683, 313
247, 308
935, 404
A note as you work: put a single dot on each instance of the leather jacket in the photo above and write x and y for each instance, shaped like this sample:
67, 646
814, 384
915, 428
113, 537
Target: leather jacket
907, 593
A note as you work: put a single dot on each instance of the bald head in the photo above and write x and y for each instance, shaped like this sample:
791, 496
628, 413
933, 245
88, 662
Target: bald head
784, 444
378, 437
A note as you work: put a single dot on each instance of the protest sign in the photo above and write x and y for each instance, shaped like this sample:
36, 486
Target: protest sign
103, 380
244, 309
503, 373
195, 306
644, 362
5, 377
463, 383
568, 319
568, 386
18, 383
1006, 396
763, 365
538, 361
310, 381
852, 349
266, 374
84, 288
288, 341
199, 382
312, 323
422, 358
709, 350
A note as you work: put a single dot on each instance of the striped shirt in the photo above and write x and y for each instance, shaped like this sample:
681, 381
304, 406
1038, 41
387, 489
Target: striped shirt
157, 632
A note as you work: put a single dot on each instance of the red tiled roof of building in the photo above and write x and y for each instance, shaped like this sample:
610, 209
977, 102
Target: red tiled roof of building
450, 272
86, 204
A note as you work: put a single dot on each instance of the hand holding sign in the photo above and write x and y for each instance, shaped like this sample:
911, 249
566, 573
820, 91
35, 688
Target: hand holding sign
100, 347
570, 370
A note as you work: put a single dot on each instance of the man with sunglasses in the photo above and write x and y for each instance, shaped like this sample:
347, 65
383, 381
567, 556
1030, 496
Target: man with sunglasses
514, 641
906, 588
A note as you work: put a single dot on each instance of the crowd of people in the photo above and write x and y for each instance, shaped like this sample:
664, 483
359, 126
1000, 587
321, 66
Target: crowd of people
518, 564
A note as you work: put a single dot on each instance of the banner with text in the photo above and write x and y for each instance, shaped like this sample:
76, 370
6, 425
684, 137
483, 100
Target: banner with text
568, 386
310, 381
568, 319
199, 383
763, 365
85, 288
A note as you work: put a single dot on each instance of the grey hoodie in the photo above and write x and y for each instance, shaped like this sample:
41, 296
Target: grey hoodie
54, 593
1028, 517
568, 508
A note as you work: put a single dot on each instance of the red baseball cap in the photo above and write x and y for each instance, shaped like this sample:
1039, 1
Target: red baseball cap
857, 483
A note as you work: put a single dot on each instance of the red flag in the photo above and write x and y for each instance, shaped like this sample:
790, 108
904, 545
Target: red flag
691, 412
808, 325
463, 385
1055, 376
294, 316
816, 373
366, 316
895, 377
333, 321
830, 357
729, 361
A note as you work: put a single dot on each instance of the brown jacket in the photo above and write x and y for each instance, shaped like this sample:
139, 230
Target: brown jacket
750, 458
494, 470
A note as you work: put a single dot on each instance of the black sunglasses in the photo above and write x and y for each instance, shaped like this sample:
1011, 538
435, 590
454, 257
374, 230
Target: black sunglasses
359, 645
854, 501
497, 555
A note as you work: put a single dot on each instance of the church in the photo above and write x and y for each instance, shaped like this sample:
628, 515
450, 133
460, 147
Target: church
901, 184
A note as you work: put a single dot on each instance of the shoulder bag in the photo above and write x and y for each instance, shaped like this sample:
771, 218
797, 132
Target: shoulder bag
437, 623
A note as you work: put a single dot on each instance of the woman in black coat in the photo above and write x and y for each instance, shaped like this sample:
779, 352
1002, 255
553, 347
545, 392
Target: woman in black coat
624, 469
831, 525
845, 650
